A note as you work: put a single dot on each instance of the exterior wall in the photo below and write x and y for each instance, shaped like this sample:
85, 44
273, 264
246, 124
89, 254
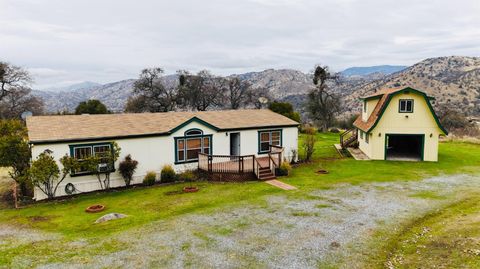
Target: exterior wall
421, 122
152, 153
363, 145
370, 107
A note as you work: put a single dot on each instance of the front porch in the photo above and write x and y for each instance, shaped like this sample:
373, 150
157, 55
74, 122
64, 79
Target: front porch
241, 168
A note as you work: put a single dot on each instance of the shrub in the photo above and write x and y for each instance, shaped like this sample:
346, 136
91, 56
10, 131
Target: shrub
127, 168
187, 176
167, 174
334, 130
309, 144
284, 169
149, 178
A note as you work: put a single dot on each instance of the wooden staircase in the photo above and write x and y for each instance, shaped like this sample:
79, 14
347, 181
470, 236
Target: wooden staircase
266, 174
349, 138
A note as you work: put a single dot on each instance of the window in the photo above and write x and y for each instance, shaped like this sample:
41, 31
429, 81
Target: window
365, 106
361, 134
367, 137
267, 138
82, 152
406, 106
188, 147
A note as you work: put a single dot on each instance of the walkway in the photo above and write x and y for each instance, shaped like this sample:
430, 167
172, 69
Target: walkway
281, 185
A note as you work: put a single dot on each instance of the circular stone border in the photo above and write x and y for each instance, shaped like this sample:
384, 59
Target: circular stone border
95, 208
190, 189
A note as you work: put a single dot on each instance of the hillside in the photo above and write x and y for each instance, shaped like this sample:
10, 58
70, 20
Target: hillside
454, 81
451, 80
364, 71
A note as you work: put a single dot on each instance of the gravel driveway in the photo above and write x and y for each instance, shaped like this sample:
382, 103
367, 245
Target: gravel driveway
319, 229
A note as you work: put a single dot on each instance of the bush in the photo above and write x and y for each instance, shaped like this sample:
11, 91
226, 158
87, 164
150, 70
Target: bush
127, 168
284, 169
149, 178
168, 174
187, 176
309, 144
334, 130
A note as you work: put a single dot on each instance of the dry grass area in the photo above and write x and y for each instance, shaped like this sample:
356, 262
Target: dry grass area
5, 185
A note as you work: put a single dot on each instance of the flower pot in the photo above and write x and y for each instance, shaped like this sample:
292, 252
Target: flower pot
190, 189
322, 172
95, 208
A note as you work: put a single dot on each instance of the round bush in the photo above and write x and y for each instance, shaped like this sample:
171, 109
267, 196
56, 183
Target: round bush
187, 176
149, 178
167, 174
284, 169
334, 130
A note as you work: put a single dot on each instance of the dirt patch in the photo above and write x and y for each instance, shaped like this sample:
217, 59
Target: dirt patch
39, 218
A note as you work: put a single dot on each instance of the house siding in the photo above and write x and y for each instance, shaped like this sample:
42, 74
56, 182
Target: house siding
153, 153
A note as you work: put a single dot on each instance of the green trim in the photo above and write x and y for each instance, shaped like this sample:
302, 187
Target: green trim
197, 120
408, 89
422, 153
371, 97
73, 146
193, 129
268, 131
175, 139
400, 106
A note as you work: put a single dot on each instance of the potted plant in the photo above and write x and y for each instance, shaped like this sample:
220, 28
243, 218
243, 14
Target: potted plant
189, 176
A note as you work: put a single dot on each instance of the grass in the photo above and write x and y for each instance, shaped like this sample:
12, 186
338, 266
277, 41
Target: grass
145, 205
445, 238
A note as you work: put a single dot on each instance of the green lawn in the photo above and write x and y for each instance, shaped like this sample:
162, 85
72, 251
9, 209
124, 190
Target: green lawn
144, 205
153, 203
445, 238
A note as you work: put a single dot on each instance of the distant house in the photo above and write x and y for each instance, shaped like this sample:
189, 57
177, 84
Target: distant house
399, 124
248, 143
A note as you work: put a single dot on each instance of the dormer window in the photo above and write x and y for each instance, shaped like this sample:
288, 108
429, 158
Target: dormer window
406, 106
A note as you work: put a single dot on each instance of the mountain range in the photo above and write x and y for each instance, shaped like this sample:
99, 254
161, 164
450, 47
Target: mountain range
453, 80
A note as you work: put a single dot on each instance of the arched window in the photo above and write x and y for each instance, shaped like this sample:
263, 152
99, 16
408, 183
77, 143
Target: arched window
191, 144
193, 132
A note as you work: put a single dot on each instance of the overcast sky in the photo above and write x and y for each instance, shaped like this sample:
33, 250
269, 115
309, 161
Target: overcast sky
67, 41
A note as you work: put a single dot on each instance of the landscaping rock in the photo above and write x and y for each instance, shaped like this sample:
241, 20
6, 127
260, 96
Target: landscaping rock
109, 217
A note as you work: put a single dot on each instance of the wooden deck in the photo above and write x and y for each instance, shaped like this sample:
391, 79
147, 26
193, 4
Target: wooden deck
232, 166
240, 168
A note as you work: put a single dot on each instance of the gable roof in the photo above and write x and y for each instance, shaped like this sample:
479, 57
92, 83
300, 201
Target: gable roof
64, 128
386, 96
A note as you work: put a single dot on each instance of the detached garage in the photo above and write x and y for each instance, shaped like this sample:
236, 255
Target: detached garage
399, 124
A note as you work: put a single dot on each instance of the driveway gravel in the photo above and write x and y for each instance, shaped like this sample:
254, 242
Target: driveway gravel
321, 228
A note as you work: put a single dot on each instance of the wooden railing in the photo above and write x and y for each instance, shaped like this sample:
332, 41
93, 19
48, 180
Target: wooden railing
226, 163
348, 137
231, 164
276, 154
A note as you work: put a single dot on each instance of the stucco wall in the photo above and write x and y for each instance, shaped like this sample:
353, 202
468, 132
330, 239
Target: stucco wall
421, 121
153, 153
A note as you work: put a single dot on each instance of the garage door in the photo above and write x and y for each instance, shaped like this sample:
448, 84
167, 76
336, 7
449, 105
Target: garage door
403, 147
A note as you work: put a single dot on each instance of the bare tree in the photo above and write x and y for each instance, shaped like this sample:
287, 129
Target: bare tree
12, 78
259, 97
151, 94
236, 92
323, 105
199, 92
19, 101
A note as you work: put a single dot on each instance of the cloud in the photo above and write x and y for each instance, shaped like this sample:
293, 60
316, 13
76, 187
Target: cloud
104, 41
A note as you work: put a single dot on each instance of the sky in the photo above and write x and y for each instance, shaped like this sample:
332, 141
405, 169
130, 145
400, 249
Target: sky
62, 42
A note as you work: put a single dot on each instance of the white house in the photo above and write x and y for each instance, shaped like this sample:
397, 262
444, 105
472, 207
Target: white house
158, 139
